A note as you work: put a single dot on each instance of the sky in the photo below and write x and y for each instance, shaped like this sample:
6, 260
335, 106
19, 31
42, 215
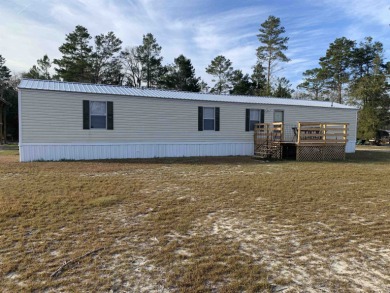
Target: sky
198, 29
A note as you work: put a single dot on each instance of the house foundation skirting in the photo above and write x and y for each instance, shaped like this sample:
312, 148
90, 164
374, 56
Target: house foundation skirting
95, 151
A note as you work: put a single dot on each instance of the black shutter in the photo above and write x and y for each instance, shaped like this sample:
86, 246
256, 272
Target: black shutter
200, 118
217, 119
262, 116
247, 117
110, 115
85, 114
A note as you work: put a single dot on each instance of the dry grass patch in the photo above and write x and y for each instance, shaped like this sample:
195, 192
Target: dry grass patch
199, 225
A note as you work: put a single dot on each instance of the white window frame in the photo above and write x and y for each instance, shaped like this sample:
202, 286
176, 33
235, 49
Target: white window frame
90, 115
279, 110
208, 118
250, 110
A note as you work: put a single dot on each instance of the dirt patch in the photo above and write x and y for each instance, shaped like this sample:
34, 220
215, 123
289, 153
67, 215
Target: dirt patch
302, 257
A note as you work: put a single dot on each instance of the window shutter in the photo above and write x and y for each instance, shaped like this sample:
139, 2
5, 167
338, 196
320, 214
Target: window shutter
247, 117
200, 118
217, 119
85, 114
262, 116
110, 115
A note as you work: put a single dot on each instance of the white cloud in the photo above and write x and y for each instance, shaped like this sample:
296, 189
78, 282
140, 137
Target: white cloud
367, 11
23, 40
199, 29
243, 57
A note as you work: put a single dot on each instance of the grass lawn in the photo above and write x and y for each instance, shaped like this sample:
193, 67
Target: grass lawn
203, 225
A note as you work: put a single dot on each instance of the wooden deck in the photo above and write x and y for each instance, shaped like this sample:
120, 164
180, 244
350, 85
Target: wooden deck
313, 141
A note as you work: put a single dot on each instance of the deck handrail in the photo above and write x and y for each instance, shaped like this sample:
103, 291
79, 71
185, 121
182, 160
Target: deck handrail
270, 131
322, 133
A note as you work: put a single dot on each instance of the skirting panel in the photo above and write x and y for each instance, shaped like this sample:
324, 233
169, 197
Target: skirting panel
57, 152
320, 152
350, 146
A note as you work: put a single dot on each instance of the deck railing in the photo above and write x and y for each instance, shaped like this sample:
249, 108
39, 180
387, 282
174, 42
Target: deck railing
322, 133
276, 132
269, 132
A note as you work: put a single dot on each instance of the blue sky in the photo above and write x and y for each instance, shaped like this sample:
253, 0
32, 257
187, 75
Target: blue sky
199, 29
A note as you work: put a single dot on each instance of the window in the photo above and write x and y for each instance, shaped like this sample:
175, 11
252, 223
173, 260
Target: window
278, 116
208, 118
253, 116
98, 114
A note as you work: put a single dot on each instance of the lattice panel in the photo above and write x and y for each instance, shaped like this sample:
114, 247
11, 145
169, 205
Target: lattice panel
321, 153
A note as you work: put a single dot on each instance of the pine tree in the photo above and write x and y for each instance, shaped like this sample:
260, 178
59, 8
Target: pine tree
369, 88
106, 66
282, 88
204, 87
336, 65
41, 70
242, 84
181, 76
75, 63
273, 47
314, 83
5, 73
9, 93
259, 81
149, 56
363, 58
222, 70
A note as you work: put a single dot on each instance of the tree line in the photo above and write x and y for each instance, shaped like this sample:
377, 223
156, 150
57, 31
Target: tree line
349, 72
8, 92
357, 74
103, 60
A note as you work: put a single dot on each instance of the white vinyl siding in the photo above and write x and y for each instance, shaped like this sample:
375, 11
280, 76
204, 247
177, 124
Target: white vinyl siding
57, 117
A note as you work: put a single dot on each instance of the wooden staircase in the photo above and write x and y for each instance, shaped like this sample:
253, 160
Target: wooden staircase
267, 140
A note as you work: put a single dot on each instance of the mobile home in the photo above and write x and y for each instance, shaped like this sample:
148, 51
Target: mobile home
76, 121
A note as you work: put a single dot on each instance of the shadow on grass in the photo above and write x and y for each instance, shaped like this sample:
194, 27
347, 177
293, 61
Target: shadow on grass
9, 147
361, 156
9, 150
366, 156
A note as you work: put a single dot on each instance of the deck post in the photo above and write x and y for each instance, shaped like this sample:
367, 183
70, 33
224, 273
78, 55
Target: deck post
324, 138
281, 132
345, 132
299, 133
